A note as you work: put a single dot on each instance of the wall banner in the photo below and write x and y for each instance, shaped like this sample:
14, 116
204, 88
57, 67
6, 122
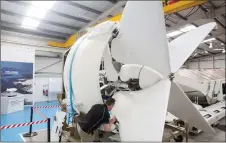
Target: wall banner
17, 73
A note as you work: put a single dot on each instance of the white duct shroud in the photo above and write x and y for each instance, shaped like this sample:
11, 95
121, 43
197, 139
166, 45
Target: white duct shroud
86, 66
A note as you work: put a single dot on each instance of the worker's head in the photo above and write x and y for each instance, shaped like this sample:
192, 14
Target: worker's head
110, 102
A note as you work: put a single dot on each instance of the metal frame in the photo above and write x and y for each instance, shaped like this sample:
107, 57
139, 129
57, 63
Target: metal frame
31, 32
45, 31
81, 19
83, 7
41, 20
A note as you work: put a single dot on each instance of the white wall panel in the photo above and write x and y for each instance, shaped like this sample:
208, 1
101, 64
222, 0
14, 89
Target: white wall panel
219, 64
40, 81
40, 62
193, 65
44, 62
208, 62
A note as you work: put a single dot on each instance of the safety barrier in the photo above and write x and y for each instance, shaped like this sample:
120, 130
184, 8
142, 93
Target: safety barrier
30, 133
24, 124
54, 106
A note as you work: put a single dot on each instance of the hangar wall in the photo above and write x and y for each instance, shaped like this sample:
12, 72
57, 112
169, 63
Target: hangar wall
48, 61
211, 62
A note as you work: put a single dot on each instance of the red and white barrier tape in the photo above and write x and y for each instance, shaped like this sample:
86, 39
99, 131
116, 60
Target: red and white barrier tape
24, 124
54, 106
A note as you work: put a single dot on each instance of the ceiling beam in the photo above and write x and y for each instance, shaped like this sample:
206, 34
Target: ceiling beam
41, 20
203, 8
112, 1
212, 4
218, 12
83, 7
218, 22
31, 32
40, 30
180, 16
167, 25
220, 40
104, 15
81, 19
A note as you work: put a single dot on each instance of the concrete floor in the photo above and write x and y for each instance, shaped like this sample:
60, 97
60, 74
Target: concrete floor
201, 137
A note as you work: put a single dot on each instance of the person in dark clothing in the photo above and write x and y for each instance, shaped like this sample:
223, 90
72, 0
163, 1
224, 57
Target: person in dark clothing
88, 125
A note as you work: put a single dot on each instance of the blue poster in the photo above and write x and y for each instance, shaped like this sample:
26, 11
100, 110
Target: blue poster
16, 80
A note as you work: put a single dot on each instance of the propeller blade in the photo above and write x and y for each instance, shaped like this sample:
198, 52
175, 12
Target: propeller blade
180, 106
182, 47
111, 73
141, 114
142, 36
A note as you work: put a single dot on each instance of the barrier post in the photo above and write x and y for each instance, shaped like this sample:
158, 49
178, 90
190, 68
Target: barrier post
30, 133
48, 130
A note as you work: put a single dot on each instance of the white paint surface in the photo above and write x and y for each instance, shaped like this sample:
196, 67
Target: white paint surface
111, 73
87, 66
142, 36
67, 66
141, 114
181, 106
183, 46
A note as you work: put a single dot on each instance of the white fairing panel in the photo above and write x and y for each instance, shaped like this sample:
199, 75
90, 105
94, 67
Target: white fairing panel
85, 72
181, 106
66, 74
141, 114
147, 76
183, 46
142, 36
130, 71
111, 73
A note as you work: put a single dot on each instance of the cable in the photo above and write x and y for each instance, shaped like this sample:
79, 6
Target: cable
190, 11
209, 7
193, 12
167, 17
140, 72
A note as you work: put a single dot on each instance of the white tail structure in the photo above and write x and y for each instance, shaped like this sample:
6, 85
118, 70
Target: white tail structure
141, 42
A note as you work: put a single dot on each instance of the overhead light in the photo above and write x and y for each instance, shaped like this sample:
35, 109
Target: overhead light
222, 43
208, 40
187, 28
40, 8
30, 23
43, 4
211, 45
206, 52
36, 12
223, 51
39, 11
174, 33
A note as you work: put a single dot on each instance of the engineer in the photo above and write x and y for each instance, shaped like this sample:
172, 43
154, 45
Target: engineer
88, 125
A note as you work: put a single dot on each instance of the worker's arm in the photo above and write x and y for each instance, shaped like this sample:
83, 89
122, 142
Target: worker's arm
107, 127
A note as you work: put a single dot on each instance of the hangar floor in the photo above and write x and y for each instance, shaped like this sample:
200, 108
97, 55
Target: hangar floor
14, 134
